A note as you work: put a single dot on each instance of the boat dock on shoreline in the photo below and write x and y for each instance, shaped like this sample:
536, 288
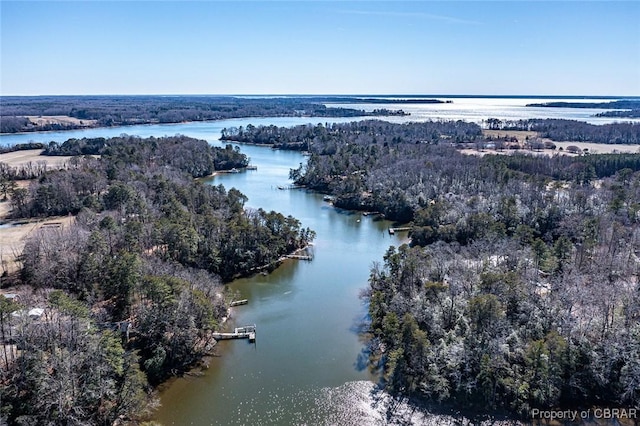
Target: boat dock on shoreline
246, 332
394, 230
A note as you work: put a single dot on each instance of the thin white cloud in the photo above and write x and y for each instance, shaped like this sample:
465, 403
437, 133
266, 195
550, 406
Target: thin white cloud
419, 15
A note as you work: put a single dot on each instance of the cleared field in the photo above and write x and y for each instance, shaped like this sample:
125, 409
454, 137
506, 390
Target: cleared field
521, 135
601, 148
19, 159
14, 234
43, 120
593, 148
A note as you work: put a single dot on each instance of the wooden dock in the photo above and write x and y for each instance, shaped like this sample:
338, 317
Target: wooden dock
403, 228
246, 332
299, 257
283, 187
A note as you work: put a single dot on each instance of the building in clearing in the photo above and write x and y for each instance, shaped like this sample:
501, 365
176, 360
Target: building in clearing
35, 313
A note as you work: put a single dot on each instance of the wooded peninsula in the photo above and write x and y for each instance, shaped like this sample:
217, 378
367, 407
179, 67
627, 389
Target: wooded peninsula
626, 108
135, 286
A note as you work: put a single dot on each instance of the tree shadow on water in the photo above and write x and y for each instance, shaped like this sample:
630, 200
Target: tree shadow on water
362, 361
361, 327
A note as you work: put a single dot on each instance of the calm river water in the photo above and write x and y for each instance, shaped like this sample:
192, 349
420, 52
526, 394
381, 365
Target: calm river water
307, 314
306, 366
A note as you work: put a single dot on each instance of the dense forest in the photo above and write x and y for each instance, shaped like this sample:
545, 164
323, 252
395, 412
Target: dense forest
520, 287
126, 110
327, 138
134, 286
396, 169
517, 293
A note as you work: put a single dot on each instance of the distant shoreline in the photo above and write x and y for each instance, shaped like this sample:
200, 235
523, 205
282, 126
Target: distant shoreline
34, 114
323, 96
28, 114
155, 123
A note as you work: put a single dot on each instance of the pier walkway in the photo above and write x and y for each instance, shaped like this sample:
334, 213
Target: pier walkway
299, 257
246, 332
394, 230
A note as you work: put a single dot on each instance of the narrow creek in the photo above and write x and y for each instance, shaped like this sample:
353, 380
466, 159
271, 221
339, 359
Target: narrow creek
308, 354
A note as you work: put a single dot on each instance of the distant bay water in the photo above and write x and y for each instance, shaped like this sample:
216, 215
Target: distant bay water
460, 108
478, 110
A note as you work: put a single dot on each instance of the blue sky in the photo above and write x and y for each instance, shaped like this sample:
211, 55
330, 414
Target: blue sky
320, 47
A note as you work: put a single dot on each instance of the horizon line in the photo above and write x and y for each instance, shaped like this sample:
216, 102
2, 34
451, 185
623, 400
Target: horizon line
332, 95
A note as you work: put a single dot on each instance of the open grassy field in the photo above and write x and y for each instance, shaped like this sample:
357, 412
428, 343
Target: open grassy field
521, 136
18, 159
13, 235
601, 148
44, 120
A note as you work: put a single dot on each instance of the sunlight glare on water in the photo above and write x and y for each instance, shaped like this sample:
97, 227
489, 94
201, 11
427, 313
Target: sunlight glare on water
479, 109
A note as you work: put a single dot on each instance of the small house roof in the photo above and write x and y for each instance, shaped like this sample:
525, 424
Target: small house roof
36, 312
